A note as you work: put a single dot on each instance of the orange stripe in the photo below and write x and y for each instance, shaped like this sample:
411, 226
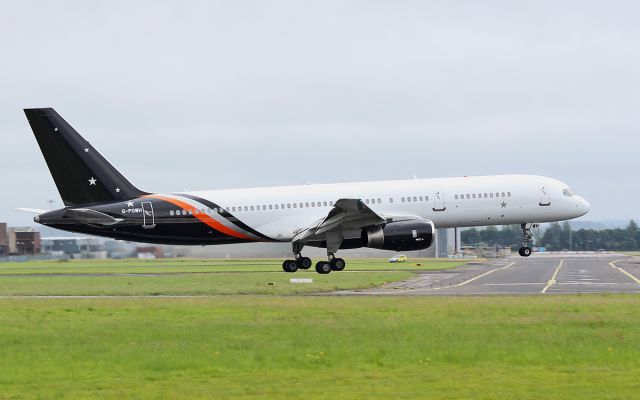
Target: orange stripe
202, 217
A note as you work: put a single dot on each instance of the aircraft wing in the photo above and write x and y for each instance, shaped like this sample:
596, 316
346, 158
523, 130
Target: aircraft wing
346, 215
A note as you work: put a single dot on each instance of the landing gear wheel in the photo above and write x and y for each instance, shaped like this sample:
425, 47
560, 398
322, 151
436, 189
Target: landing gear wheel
290, 266
323, 267
304, 263
338, 264
524, 251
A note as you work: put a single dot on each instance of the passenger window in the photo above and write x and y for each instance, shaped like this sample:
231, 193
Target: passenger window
508, 194
473, 195
282, 206
233, 209
313, 204
408, 199
485, 195
379, 201
497, 194
390, 200
456, 197
402, 199
421, 198
502, 194
366, 201
171, 213
295, 205
491, 195
270, 206
331, 203
251, 208
288, 205
276, 206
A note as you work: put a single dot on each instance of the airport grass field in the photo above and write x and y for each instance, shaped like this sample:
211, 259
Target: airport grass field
239, 346
196, 277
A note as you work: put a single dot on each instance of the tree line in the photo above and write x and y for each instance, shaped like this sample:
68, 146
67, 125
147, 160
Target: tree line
558, 237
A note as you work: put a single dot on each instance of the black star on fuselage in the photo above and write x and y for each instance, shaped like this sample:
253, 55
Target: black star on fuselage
503, 204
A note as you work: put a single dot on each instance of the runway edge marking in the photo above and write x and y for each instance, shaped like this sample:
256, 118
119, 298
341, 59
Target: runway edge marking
613, 264
551, 281
451, 286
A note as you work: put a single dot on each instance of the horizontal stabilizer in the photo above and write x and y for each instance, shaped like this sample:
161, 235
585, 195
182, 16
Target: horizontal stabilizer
91, 217
32, 210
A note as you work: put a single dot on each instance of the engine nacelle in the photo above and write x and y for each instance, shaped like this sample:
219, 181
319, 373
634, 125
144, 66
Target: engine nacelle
400, 236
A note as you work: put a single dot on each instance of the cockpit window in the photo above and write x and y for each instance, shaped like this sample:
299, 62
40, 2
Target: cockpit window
567, 192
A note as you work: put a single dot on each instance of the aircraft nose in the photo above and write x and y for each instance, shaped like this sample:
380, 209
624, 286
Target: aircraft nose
583, 206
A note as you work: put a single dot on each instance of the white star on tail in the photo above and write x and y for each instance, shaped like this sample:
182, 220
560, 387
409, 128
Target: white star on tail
117, 190
86, 150
130, 204
92, 181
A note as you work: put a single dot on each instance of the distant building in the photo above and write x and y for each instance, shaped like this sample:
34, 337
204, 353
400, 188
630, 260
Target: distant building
149, 252
75, 247
446, 243
23, 241
4, 240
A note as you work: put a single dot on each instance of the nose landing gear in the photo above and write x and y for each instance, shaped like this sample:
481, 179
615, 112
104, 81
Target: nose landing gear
527, 236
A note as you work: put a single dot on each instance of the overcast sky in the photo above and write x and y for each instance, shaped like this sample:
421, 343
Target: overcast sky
202, 95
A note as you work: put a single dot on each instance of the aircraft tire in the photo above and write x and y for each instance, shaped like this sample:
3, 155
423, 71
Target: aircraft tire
524, 251
323, 267
290, 265
338, 264
304, 263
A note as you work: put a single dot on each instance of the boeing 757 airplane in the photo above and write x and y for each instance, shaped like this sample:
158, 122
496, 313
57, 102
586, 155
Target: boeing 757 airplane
400, 215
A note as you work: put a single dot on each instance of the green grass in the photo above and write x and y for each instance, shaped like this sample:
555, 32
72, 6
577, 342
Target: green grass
195, 277
200, 265
194, 284
247, 347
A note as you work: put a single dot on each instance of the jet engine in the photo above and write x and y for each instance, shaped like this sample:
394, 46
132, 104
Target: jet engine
400, 236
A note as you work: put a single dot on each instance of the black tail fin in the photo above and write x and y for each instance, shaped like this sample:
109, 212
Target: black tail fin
81, 174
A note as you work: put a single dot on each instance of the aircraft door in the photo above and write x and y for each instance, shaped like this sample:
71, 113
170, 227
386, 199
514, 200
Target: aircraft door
545, 197
148, 219
438, 199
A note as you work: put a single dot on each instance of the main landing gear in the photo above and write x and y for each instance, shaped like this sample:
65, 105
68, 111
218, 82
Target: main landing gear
322, 267
525, 250
334, 264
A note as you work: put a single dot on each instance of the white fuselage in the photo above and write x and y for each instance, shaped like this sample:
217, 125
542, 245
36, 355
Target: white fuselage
280, 212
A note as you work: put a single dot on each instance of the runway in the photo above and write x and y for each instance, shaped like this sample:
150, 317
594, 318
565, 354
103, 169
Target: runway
543, 274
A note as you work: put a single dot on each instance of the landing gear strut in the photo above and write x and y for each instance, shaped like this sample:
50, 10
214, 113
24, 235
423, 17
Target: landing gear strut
525, 250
